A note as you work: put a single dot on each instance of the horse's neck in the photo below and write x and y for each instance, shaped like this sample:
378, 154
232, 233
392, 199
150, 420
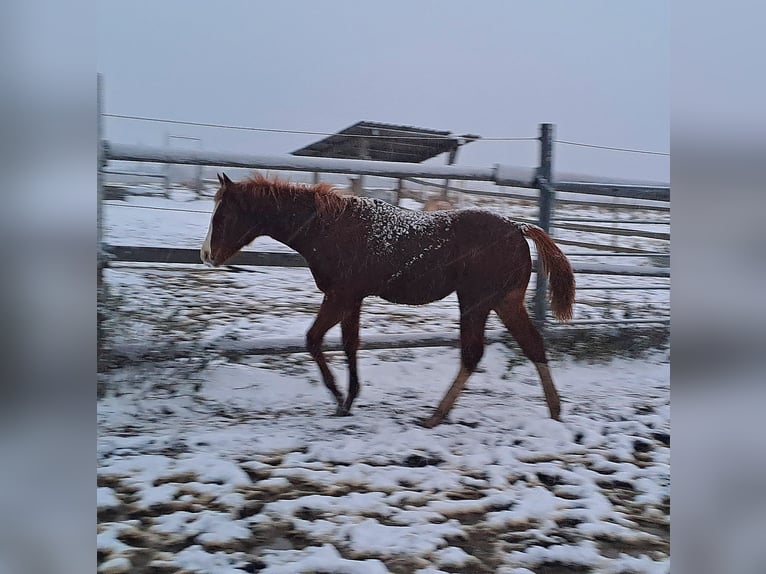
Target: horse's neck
295, 224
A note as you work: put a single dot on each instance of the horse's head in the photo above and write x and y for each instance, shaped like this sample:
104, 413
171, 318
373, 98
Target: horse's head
230, 227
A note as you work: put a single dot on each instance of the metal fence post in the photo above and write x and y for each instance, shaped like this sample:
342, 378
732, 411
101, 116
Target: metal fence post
450, 161
100, 252
198, 176
166, 168
547, 194
101, 160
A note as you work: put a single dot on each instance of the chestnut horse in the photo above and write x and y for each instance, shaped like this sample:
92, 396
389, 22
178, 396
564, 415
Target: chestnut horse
357, 247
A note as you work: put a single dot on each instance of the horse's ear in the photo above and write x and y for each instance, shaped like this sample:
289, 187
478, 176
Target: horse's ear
224, 180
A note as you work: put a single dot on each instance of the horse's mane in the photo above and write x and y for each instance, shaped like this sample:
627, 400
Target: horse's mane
329, 203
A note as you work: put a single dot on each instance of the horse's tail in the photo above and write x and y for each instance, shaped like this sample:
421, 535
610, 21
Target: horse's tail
553, 262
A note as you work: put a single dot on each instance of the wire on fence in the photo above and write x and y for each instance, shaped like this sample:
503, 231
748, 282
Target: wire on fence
629, 150
303, 132
420, 137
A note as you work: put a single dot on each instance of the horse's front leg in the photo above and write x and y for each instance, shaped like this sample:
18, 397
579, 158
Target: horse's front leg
350, 331
330, 314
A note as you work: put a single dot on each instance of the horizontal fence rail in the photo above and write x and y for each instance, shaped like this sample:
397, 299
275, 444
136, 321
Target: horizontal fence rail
608, 249
522, 177
505, 175
134, 173
611, 221
275, 259
613, 230
651, 192
290, 345
583, 187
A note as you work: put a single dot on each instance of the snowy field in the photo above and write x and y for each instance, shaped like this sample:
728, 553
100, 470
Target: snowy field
241, 469
218, 464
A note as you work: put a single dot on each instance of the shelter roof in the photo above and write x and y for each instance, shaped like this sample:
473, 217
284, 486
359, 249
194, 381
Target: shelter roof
385, 142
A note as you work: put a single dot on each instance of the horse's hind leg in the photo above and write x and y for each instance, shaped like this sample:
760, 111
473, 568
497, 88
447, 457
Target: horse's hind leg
473, 318
350, 332
514, 316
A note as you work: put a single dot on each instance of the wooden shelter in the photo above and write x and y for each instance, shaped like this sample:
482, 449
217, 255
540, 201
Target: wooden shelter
387, 142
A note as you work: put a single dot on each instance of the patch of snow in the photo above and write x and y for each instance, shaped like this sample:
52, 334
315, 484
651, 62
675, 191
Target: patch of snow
583, 554
197, 559
275, 484
370, 536
408, 203
232, 500
354, 503
221, 529
212, 468
537, 504
106, 498
389, 225
453, 556
176, 522
325, 558
107, 537
642, 564
614, 532
212, 527
157, 495
118, 565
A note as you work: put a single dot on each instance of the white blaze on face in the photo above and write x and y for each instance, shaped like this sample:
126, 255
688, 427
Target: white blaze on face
205, 253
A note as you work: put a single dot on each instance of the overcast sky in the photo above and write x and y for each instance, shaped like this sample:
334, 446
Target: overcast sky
599, 70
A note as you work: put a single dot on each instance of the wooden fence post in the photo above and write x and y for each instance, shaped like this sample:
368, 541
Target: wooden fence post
547, 195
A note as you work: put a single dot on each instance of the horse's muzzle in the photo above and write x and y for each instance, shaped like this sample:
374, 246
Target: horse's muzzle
204, 254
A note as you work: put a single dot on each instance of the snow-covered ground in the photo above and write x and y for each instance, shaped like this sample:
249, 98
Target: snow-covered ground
235, 465
241, 468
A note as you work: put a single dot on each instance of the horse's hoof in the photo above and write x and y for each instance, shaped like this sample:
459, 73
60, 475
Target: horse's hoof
341, 412
431, 422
